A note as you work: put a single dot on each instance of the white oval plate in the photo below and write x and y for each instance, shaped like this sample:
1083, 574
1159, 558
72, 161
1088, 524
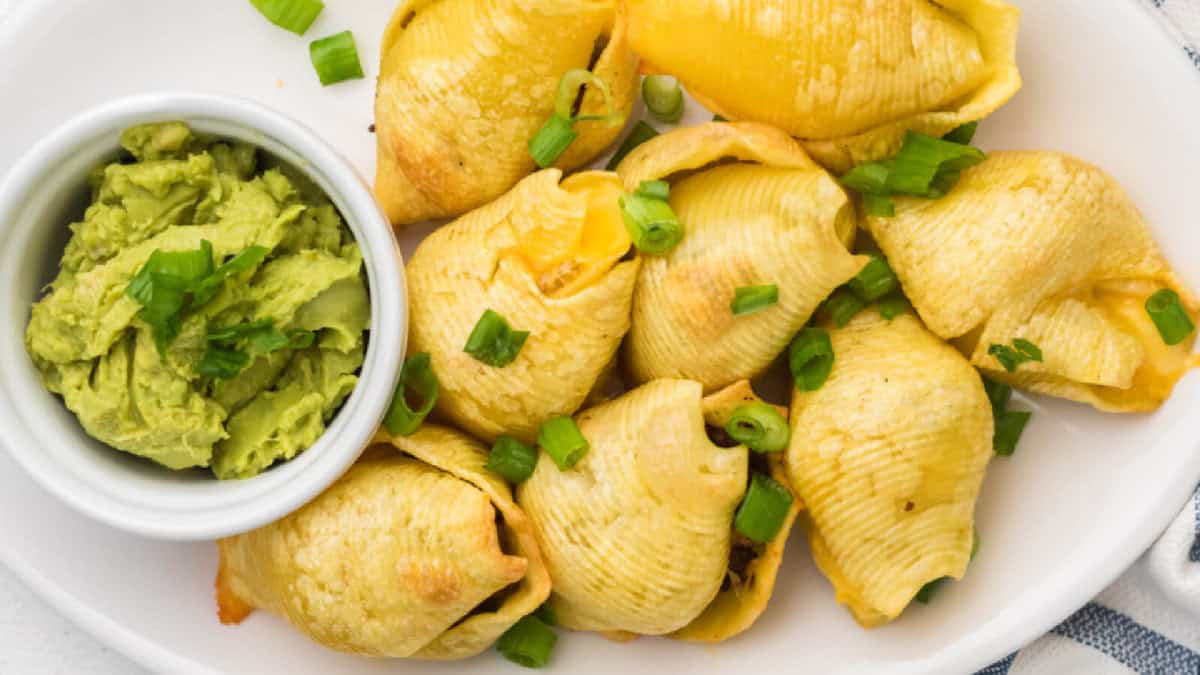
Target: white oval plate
1085, 494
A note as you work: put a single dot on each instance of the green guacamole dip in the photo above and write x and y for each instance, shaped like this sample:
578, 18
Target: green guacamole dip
156, 397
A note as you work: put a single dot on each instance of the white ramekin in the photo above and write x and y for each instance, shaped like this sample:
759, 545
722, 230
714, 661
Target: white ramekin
42, 194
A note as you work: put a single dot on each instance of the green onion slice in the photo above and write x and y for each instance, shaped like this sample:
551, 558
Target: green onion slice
222, 363
416, 394
512, 460
761, 515
924, 167
649, 219
562, 440
641, 133
998, 394
546, 614
875, 280
494, 342
927, 591
293, 15
963, 135
558, 133
843, 306
879, 206
810, 358
1166, 310
1009, 427
751, 299
720, 118
552, 141
664, 97
336, 58
893, 306
528, 643
1022, 351
760, 427
247, 260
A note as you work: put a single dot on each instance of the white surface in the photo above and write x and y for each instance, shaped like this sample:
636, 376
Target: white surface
1083, 497
48, 188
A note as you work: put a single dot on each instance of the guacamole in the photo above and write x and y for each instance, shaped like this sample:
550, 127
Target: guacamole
210, 309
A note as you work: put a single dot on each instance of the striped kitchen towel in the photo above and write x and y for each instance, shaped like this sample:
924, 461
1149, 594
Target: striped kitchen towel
1148, 622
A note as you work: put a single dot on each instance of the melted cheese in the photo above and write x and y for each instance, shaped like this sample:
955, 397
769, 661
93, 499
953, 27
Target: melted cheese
1163, 365
580, 237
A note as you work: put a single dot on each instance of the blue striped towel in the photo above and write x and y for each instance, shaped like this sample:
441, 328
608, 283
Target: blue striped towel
1148, 622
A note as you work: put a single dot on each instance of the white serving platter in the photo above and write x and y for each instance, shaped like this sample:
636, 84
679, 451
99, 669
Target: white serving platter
1084, 496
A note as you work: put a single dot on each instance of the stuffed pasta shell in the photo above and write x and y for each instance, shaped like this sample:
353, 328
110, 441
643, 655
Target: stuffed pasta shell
888, 457
771, 218
465, 84
638, 536
848, 77
1045, 248
547, 258
419, 555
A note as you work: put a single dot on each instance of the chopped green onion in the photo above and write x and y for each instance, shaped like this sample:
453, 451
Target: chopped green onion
654, 189
761, 515
760, 427
719, 118
546, 614
664, 97
299, 338
927, 591
562, 440
163, 285
810, 358
222, 363
552, 141
558, 133
293, 15
245, 261
875, 280
879, 206
893, 306
925, 167
1166, 310
336, 58
528, 643
998, 394
751, 299
1022, 351
641, 133
843, 306
494, 342
963, 135
649, 219
419, 383
1009, 427
512, 460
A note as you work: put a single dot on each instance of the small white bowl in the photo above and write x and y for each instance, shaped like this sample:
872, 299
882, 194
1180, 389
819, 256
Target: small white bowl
44, 192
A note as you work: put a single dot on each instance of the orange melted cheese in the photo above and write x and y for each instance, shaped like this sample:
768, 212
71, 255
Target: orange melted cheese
580, 238
1125, 303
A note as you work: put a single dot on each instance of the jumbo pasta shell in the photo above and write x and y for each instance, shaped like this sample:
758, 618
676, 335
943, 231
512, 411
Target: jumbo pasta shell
1045, 247
465, 84
848, 77
888, 457
545, 257
396, 559
637, 535
774, 217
